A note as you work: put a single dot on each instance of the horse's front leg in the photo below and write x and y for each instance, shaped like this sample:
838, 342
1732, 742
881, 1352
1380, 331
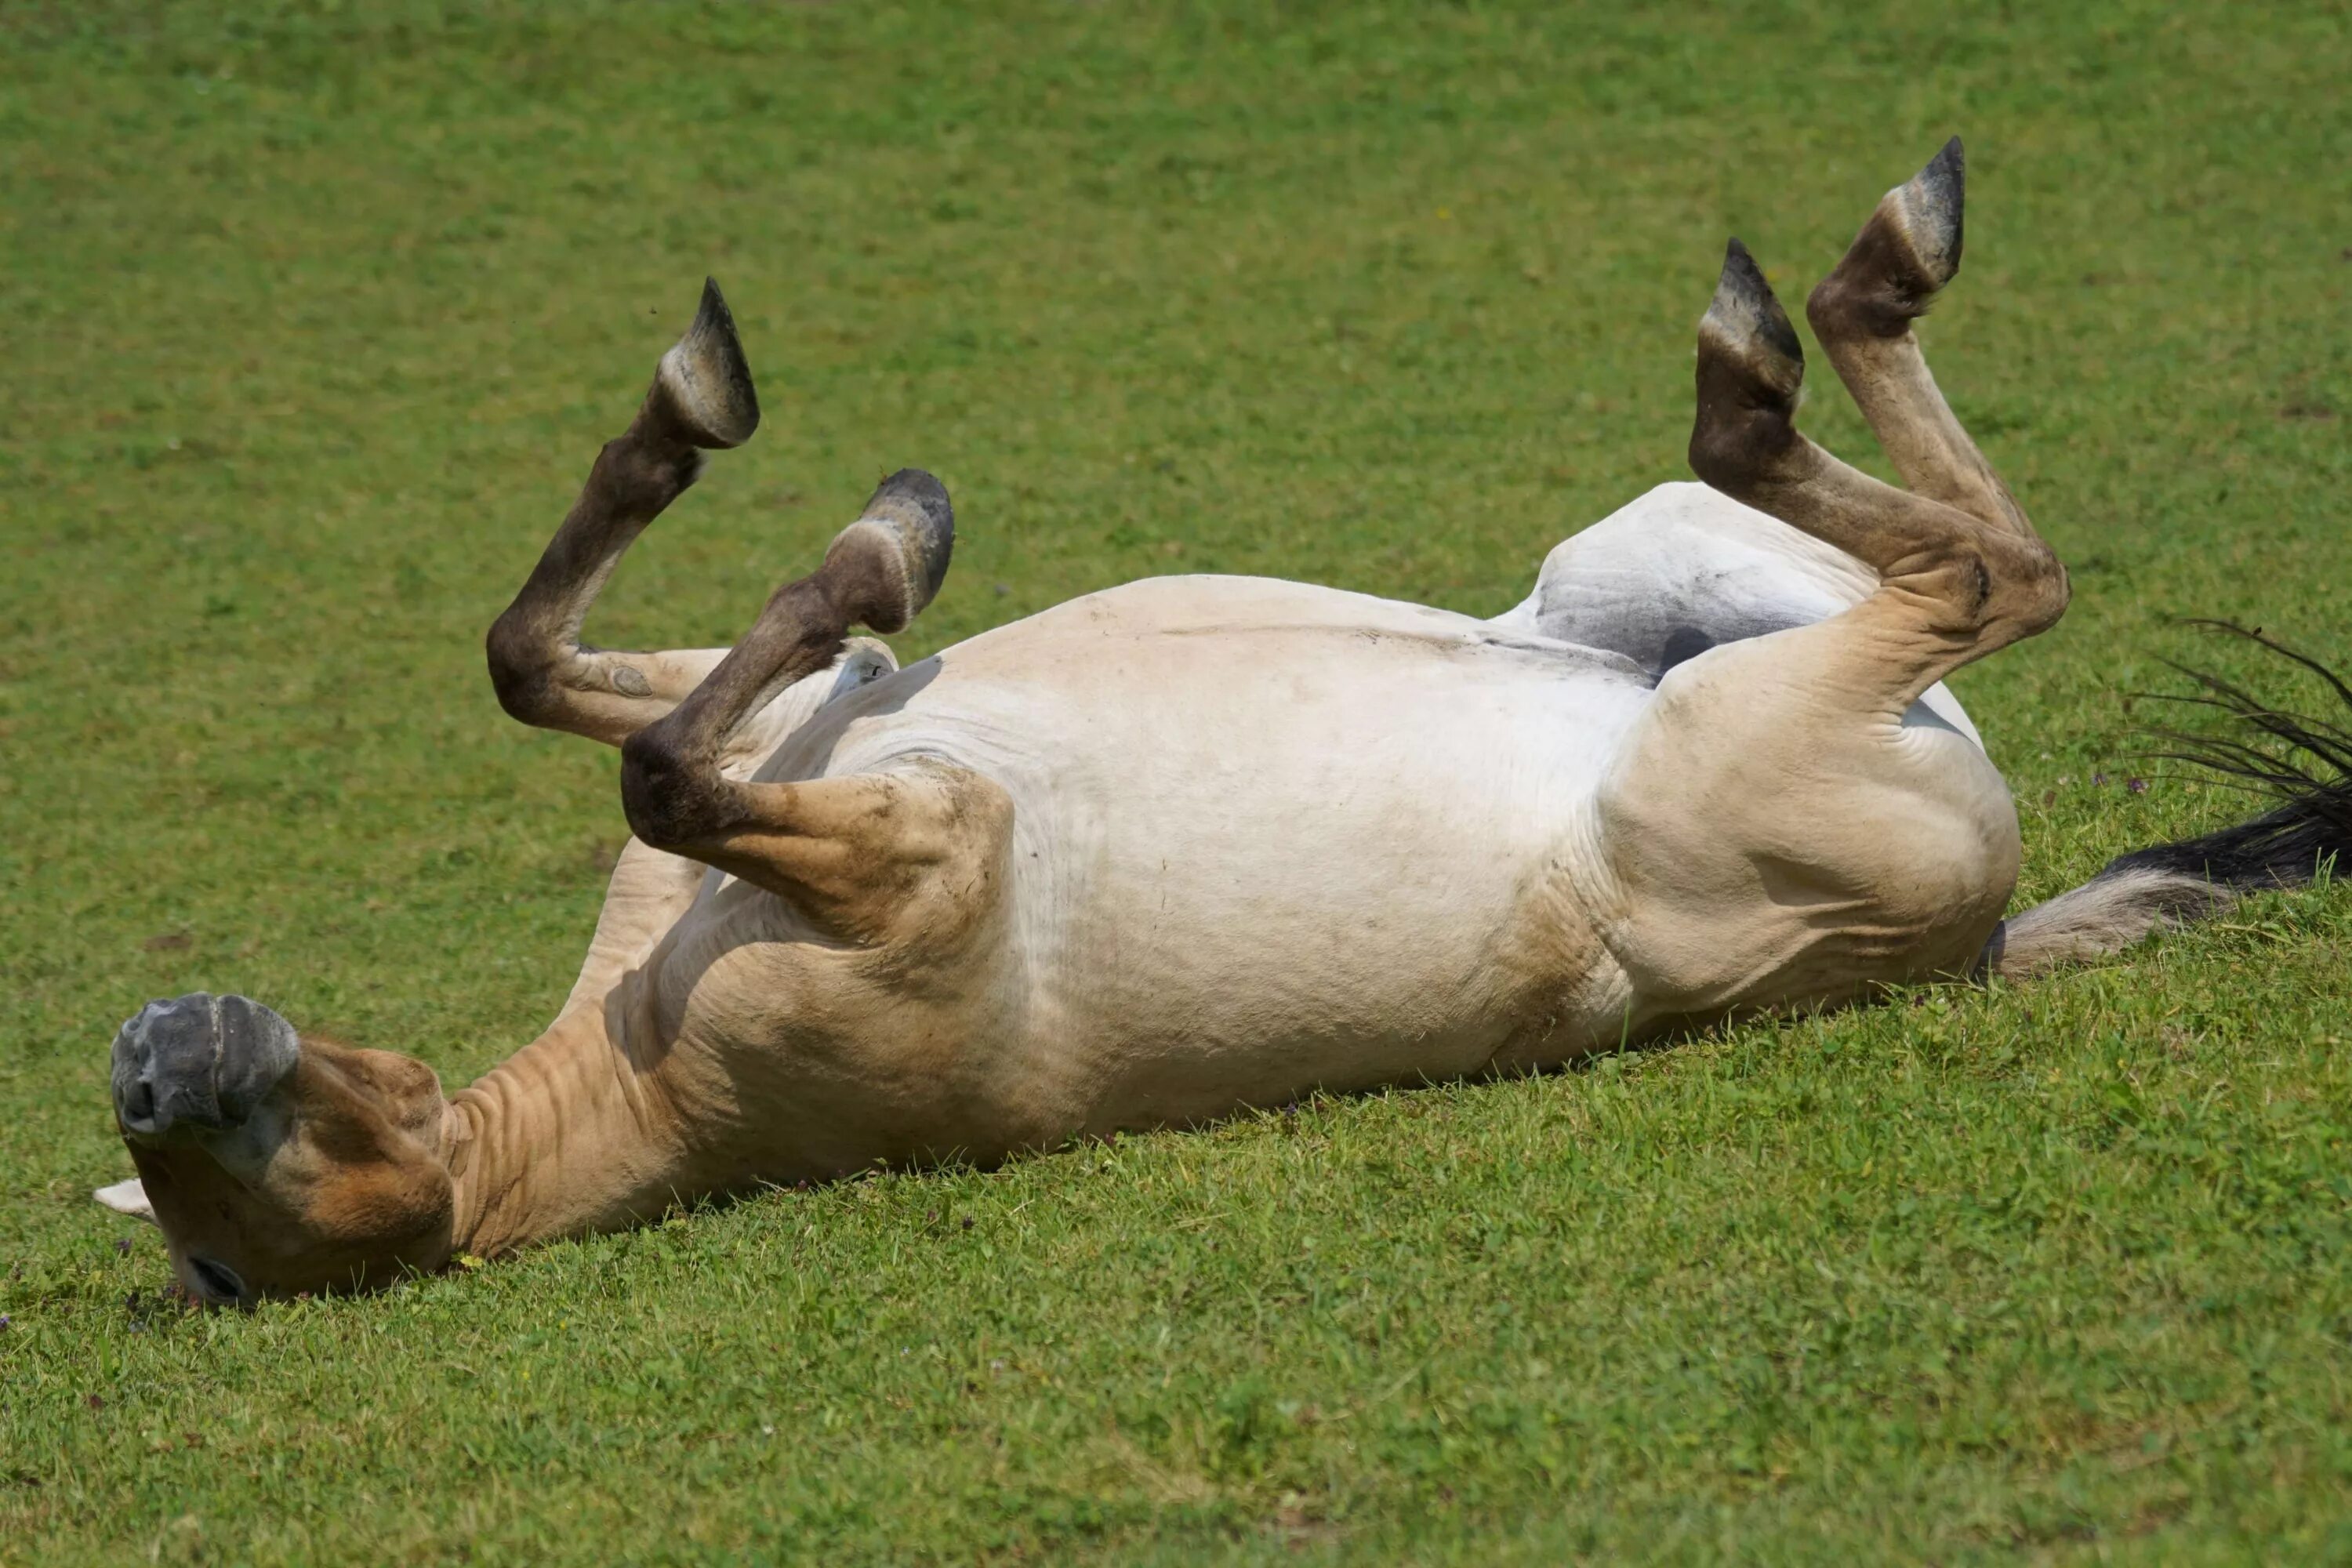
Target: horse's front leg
859, 854
701, 399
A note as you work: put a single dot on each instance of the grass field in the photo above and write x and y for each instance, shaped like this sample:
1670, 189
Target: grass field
313, 317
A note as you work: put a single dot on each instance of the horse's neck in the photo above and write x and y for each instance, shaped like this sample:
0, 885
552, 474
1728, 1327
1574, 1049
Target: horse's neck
570, 1135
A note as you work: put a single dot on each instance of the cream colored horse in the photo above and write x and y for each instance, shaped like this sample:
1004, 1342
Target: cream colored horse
1195, 843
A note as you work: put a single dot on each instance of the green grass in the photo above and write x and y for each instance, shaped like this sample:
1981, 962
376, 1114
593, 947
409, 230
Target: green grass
313, 317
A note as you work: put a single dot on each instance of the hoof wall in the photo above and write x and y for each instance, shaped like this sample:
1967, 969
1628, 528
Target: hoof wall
1745, 326
707, 380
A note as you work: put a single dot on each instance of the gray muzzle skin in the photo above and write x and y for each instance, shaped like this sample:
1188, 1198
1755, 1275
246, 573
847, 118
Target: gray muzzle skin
200, 1060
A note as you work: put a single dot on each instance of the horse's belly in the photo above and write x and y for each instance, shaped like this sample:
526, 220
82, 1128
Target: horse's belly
1282, 855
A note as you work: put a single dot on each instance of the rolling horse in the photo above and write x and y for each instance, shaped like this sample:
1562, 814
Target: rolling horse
1202, 843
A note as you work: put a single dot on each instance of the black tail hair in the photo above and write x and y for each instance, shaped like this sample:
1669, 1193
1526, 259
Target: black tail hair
2303, 762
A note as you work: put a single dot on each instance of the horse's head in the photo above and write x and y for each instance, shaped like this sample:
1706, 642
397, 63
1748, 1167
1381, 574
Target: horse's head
274, 1163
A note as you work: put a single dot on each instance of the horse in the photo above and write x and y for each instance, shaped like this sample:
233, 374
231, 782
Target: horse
1202, 843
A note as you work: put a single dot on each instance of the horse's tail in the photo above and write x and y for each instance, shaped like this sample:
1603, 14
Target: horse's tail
2304, 764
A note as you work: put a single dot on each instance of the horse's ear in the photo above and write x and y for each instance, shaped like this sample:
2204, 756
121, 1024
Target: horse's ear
127, 1197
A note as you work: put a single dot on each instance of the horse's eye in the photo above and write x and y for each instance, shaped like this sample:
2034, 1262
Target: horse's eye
217, 1279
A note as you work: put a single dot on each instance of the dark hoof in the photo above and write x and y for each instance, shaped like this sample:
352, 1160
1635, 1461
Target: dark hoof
896, 554
201, 1060
1746, 328
706, 380
1928, 214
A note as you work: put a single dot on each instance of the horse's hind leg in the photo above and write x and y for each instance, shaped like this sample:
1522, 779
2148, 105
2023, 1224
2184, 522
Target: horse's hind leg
702, 398
1775, 830
854, 853
1862, 313
1955, 583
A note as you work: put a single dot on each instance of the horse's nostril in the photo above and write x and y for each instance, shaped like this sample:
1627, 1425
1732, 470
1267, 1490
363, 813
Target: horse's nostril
203, 1059
217, 1280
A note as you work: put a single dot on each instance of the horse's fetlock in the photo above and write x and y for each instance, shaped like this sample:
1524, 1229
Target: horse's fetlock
1842, 307
1736, 445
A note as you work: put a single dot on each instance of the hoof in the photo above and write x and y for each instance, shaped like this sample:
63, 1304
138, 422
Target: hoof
896, 554
1750, 368
1745, 329
1903, 256
1927, 214
705, 381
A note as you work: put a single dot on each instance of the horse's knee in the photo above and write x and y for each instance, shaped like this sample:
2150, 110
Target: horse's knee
522, 657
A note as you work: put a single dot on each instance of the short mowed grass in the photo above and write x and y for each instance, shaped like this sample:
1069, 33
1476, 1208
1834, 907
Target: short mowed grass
313, 316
